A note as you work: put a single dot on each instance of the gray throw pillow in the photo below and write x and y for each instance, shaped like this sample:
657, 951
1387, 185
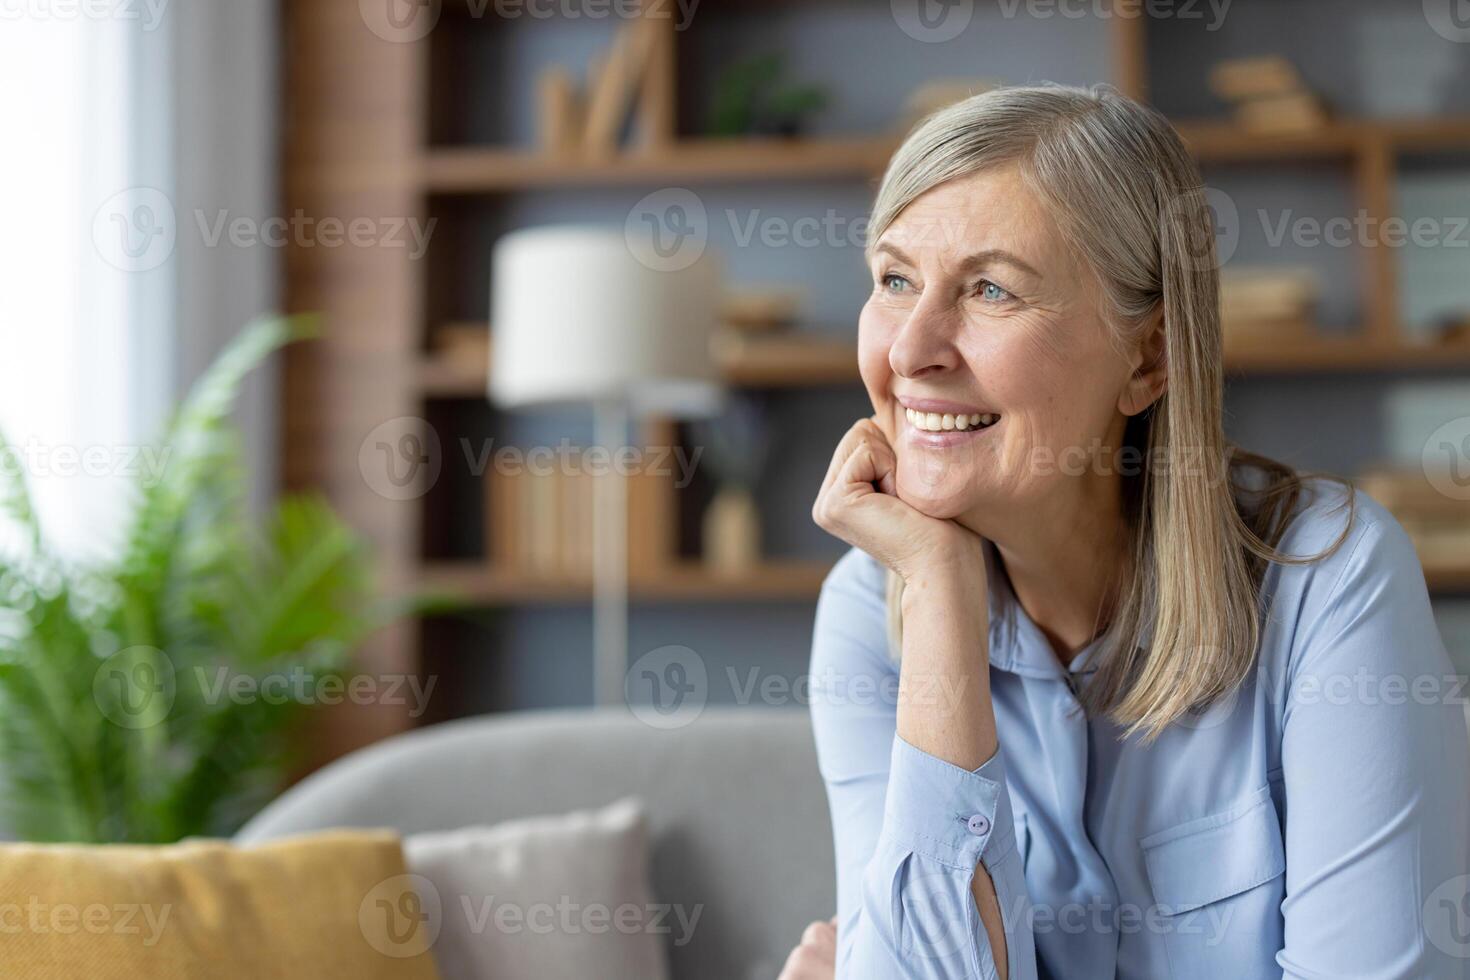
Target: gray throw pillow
556, 896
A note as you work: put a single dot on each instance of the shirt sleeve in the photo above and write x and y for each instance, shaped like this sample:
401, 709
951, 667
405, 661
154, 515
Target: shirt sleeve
908, 828
1374, 762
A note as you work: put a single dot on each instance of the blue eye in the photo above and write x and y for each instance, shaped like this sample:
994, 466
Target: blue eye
895, 283
992, 292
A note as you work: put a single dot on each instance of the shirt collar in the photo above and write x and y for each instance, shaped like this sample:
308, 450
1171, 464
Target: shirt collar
1017, 644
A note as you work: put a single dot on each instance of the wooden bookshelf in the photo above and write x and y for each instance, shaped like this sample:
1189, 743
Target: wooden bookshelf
360, 124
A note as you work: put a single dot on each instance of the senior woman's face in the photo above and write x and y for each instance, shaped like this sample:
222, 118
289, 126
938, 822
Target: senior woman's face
980, 308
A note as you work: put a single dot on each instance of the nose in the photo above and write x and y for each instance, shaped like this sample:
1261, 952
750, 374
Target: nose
925, 342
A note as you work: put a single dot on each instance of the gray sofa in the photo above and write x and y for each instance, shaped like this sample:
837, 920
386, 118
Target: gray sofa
738, 815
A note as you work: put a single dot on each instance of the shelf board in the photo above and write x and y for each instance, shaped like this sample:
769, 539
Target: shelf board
489, 169
790, 360
1327, 354
797, 581
464, 170
830, 362
1447, 580
1221, 141
784, 363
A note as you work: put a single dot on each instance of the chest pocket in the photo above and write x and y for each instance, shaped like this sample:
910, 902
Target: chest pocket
1217, 884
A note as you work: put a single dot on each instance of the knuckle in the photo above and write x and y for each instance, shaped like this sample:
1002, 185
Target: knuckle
798, 964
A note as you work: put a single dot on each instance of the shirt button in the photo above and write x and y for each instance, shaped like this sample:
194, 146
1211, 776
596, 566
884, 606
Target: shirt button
979, 825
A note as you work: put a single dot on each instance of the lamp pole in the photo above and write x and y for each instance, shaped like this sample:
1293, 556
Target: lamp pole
610, 558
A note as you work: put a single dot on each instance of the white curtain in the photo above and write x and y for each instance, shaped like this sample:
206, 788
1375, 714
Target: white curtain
116, 119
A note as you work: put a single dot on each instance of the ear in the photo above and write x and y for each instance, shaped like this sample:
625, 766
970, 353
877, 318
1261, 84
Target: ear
1150, 376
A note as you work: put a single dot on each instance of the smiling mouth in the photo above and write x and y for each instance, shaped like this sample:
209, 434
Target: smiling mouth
946, 422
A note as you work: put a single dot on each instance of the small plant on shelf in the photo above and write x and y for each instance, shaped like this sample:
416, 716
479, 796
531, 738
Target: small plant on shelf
753, 98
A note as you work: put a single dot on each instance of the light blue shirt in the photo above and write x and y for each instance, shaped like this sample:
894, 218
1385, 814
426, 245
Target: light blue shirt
1313, 824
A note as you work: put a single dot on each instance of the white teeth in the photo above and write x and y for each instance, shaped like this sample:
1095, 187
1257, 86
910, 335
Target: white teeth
935, 422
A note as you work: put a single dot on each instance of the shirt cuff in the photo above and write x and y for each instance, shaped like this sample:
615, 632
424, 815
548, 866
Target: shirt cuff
952, 815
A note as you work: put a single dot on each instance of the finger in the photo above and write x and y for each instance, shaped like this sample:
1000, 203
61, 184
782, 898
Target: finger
875, 457
803, 964
869, 465
850, 441
887, 464
820, 936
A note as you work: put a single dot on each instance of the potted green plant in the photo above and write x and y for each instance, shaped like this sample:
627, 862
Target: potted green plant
114, 724
752, 97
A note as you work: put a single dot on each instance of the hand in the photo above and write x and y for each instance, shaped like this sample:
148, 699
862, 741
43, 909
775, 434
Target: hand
873, 518
816, 957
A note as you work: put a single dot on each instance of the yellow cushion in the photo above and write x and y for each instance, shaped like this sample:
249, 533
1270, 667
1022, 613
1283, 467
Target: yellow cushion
323, 906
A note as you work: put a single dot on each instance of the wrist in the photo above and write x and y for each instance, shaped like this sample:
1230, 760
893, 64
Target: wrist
956, 558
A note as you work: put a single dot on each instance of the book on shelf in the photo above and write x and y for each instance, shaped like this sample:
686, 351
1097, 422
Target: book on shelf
1268, 95
543, 521
1236, 79
1293, 112
1263, 304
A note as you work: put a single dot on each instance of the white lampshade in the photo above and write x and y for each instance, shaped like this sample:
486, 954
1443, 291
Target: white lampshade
576, 316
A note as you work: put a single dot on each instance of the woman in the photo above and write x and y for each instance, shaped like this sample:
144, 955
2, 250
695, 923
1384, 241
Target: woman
1193, 753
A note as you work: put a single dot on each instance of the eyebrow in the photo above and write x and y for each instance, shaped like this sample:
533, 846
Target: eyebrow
973, 261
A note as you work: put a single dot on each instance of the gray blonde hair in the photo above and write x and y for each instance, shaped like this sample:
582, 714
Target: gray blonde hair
1118, 181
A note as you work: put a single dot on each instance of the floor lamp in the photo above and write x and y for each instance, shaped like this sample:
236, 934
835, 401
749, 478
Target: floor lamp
585, 314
